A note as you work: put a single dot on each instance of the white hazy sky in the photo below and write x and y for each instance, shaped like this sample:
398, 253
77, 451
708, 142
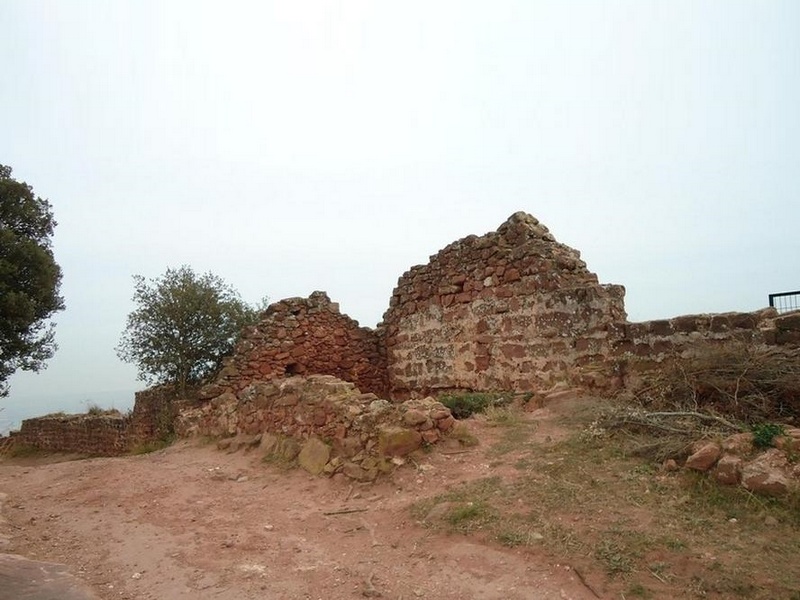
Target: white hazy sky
295, 146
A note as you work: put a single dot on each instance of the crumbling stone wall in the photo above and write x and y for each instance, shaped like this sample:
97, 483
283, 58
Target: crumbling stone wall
513, 309
656, 340
106, 434
639, 348
299, 336
783, 330
344, 429
509, 310
154, 412
95, 435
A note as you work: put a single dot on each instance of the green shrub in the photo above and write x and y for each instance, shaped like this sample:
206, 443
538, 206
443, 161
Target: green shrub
764, 434
465, 405
152, 445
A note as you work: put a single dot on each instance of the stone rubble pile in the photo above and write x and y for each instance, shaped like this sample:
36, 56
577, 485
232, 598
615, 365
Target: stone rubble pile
735, 461
325, 423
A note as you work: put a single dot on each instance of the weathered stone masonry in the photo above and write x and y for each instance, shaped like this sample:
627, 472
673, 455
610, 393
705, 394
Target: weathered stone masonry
95, 435
512, 309
509, 310
347, 430
301, 336
106, 434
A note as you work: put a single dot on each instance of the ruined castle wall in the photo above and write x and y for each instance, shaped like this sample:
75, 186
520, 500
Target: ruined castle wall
300, 336
647, 346
513, 309
509, 310
358, 430
96, 435
108, 433
154, 411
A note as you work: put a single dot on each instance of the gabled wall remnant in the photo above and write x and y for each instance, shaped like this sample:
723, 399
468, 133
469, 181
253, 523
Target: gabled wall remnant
513, 309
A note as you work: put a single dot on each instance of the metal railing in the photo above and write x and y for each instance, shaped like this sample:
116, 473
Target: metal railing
785, 301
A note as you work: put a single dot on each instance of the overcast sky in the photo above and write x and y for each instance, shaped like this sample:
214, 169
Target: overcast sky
295, 146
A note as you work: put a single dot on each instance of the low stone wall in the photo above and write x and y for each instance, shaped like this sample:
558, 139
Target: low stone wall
95, 435
641, 348
105, 434
351, 431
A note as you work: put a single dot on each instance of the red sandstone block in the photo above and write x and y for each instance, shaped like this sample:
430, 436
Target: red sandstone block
431, 436
743, 321
789, 322
623, 347
299, 351
787, 337
720, 323
513, 350
481, 363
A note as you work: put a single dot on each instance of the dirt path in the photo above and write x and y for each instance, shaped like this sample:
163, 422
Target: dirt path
191, 521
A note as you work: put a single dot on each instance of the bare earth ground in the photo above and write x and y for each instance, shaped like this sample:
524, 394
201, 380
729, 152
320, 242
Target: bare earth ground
545, 507
193, 522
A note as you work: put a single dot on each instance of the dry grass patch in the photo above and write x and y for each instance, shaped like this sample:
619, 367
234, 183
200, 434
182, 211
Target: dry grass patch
742, 382
593, 501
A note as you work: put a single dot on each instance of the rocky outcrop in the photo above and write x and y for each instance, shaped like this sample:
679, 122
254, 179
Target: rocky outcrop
767, 474
704, 457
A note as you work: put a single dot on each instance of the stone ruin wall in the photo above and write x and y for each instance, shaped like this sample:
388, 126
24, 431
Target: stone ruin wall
513, 309
304, 336
107, 434
516, 310
641, 348
510, 310
94, 435
325, 422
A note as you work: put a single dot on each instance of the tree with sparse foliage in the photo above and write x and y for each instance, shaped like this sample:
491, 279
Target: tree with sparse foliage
30, 279
183, 326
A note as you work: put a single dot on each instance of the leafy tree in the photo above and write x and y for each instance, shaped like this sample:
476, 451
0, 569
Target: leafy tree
30, 279
185, 324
